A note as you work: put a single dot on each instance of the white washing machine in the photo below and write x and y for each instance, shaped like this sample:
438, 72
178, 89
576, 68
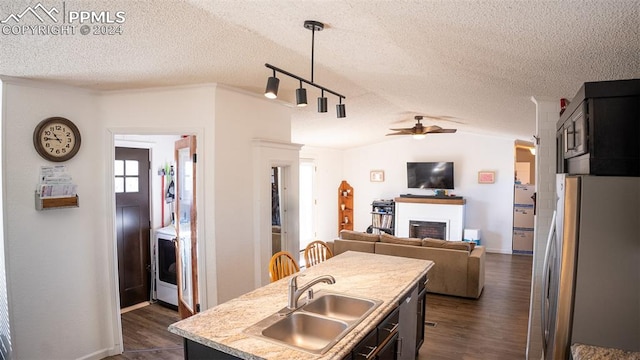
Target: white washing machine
165, 265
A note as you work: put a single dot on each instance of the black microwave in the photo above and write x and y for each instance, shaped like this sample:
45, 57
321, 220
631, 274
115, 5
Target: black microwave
599, 132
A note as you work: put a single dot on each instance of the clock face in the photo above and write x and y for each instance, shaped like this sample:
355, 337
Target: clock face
56, 139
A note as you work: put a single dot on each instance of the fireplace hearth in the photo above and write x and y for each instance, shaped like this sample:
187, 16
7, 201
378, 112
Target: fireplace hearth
427, 229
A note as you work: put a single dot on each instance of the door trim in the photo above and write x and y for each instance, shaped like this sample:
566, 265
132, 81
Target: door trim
110, 222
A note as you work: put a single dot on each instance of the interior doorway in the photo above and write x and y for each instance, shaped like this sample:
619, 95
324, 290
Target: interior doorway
276, 209
162, 197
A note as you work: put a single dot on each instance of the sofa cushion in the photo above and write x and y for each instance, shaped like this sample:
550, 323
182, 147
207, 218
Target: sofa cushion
341, 245
386, 238
428, 242
457, 245
359, 236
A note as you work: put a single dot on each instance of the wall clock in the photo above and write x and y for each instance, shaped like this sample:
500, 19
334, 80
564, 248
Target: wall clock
56, 139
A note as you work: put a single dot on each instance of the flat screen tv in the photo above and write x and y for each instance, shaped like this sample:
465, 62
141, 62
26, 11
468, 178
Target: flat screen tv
430, 175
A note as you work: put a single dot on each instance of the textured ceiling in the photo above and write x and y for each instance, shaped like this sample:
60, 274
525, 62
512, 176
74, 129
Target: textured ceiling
478, 62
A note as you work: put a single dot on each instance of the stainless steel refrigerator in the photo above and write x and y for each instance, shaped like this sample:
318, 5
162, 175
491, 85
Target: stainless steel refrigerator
591, 279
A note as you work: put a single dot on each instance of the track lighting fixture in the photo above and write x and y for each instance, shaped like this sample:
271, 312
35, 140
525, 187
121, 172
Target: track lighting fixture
301, 96
301, 93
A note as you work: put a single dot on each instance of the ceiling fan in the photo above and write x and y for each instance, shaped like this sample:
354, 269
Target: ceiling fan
419, 131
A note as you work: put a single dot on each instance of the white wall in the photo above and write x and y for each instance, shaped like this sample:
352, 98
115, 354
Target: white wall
57, 263
489, 207
328, 177
60, 263
239, 120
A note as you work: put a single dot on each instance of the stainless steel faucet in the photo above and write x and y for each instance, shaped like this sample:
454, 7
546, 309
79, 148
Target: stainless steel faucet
295, 293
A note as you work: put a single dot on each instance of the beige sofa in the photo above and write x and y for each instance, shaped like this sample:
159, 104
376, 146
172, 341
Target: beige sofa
458, 269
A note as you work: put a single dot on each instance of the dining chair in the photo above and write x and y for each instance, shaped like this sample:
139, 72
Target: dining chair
316, 252
282, 264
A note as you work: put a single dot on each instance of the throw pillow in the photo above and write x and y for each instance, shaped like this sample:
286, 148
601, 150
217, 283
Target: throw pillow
359, 236
386, 238
428, 242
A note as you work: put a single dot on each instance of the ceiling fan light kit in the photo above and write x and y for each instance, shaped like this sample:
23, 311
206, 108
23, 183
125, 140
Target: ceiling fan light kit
273, 82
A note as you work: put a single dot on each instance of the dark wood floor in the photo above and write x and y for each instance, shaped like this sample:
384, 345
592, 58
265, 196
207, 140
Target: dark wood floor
492, 327
146, 336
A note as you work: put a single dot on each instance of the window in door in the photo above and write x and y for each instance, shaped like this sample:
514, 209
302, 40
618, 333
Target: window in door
126, 176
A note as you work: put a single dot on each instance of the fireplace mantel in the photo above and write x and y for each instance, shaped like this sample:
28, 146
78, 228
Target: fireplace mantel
449, 210
432, 200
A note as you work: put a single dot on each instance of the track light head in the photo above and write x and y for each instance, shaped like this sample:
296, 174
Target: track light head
340, 109
272, 87
322, 103
301, 96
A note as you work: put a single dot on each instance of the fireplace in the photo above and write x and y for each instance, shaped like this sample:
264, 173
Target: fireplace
447, 211
427, 229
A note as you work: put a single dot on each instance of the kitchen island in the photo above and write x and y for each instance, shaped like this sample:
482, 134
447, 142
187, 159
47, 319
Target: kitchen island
223, 328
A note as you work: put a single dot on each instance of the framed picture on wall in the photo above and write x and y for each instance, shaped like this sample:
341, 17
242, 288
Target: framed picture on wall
486, 177
376, 176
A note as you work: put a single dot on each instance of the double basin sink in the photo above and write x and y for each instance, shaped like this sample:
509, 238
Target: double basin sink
318, 325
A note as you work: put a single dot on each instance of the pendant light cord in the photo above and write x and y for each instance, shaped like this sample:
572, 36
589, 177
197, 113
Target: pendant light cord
313, 42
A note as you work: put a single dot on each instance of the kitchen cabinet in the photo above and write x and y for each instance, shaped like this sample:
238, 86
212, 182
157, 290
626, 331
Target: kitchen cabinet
381, 342
598, 132
421, 314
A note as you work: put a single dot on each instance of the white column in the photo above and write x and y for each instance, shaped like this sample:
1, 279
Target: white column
547, 114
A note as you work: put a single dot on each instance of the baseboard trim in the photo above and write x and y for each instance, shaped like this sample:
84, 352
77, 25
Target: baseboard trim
134, 307
100, 354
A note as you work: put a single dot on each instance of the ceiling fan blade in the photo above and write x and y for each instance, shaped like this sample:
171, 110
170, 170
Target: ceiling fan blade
402, 129
431, 128
399, 133
452, 119
443, 131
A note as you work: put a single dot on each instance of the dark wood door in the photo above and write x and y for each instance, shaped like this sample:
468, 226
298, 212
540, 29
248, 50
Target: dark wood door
132, 224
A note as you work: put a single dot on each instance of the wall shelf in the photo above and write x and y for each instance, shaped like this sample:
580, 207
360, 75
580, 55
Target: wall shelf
50, 203
345, 206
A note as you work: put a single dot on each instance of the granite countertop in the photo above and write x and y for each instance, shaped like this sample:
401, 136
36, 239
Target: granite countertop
590, 352
374, 276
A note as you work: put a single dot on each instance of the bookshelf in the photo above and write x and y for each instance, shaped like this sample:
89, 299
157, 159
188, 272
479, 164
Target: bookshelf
382, 213
345, 206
